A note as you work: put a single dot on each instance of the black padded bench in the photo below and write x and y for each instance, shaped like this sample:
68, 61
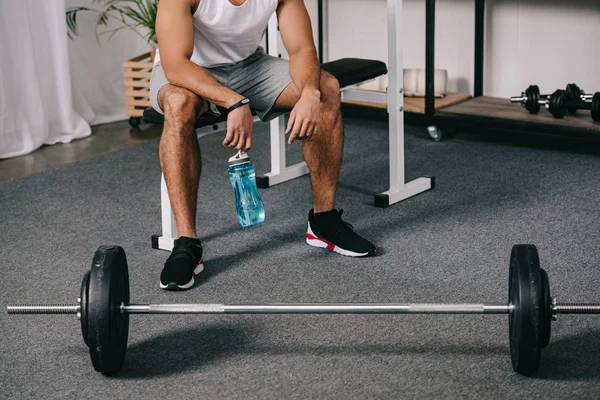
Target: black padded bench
348, 71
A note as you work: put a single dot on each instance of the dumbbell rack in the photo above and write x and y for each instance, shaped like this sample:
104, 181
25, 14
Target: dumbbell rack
482, 112
486, 112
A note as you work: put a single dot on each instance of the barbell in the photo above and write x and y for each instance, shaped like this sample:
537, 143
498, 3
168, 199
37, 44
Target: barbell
103, 308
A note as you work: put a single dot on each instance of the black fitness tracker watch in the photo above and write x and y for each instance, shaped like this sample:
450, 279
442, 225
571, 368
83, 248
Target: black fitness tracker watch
240, 103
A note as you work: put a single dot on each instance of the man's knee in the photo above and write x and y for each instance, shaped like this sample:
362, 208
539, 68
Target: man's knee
330, 92
181, 106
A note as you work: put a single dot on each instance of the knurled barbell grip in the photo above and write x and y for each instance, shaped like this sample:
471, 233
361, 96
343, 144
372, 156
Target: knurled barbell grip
42, 308
576, 308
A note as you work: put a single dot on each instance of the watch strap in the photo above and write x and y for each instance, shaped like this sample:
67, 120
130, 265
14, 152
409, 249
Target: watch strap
239, 104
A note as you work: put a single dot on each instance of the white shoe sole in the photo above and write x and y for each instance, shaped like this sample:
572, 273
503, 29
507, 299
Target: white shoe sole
313, 240
199, 268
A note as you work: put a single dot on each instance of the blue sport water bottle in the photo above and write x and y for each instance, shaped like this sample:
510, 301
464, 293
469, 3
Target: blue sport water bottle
248, 204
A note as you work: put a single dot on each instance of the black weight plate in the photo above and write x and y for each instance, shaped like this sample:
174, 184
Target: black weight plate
533, 97
573, 93
596, 107
525, 294
546, 310
83, 305
107, 326
557, 104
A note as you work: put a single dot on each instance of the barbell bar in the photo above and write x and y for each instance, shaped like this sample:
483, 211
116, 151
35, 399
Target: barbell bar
104, 308
274, 308
304, 308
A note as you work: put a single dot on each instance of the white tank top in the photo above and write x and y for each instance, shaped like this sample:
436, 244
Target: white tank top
226, 34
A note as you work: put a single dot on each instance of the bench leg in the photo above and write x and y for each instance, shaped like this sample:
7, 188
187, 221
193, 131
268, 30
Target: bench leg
399, 188
165, 241
280, 172
169, 228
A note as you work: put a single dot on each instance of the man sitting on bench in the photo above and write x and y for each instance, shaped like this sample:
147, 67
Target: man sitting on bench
209, 54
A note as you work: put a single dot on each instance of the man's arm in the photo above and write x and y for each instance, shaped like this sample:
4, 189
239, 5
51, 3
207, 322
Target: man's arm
174, 30
305, 71
296, 32
175, 33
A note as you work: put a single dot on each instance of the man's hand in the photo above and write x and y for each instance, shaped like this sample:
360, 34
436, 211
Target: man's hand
304, 119
239, 129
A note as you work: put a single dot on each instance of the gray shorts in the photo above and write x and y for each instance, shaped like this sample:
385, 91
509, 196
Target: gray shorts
261, 78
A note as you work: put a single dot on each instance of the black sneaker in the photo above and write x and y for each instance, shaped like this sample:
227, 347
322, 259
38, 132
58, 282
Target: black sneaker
329, 231
184, 263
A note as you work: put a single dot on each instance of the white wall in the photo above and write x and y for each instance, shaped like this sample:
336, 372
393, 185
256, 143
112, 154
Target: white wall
544, 42
96, 68
313, 11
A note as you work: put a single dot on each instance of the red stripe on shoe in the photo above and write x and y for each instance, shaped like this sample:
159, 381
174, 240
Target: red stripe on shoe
330, 246
199, 262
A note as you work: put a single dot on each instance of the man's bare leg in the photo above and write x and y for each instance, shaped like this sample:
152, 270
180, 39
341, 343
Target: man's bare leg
323, 151
323, 155
179, 153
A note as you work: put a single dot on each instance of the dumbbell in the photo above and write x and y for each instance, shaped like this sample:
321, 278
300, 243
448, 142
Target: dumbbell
532, 100
103, 308
561, 102
575, 93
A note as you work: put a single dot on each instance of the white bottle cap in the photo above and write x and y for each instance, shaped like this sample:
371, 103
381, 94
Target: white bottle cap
240, 158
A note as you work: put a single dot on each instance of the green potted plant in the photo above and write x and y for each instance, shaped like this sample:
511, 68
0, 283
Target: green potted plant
140, 17
136, 15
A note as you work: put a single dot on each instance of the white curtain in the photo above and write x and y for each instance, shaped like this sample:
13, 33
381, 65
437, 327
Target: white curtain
36, 106
97, 66
52, 88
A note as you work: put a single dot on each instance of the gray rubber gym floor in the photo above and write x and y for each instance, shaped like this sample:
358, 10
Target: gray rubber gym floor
451, 244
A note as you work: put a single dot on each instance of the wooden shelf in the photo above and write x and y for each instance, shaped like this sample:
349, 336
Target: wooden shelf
462, 110
417, 104
500, 109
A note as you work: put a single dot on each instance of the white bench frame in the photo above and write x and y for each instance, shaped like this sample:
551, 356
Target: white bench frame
280, 172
